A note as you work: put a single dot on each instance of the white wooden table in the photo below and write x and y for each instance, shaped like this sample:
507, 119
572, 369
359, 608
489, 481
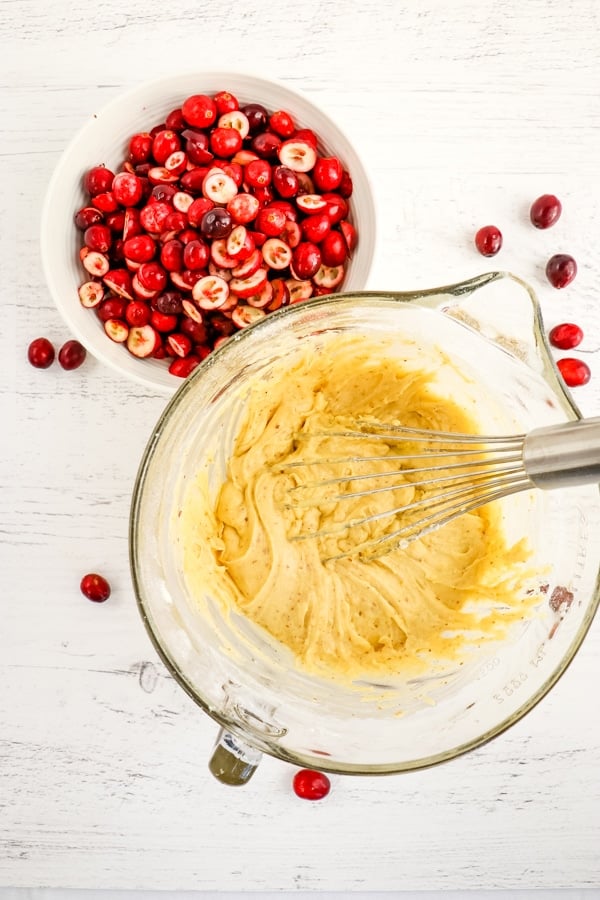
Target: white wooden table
464, 113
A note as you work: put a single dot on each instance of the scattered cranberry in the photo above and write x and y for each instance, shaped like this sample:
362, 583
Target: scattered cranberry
219, 215
566, 336
311, 785
545, 211
95, 588
488, 240
574, 371
40, 353
561, 269
71, 355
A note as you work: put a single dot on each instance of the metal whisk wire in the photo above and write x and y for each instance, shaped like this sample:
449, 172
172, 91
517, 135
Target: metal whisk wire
483, 468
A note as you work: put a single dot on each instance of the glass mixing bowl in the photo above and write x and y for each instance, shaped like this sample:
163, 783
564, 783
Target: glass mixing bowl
491, 328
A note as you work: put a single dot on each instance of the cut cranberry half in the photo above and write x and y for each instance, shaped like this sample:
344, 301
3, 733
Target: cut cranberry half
95, 587
311, 785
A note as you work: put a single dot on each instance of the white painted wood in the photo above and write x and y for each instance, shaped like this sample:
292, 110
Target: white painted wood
464, 112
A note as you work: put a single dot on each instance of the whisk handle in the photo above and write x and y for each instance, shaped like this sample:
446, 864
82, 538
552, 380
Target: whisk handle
563, 455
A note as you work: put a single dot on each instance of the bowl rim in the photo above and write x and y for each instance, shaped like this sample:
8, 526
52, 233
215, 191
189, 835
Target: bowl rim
273, 748
143, 375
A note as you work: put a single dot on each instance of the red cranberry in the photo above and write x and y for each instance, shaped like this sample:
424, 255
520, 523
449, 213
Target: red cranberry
98, 237
140, 248
175, 121
127, 189
488, 240
71, 355
137, 313
574, 371
333, 249
140, 148
270, 221
257, 116
561, 269
285, 182
98, 180
282, 123
316, 227
545, 211
327, 173
266, 145
225, 102
306, 260
95, 588
40, 353
566, 336
311, 785
196, 255
225, 142
216, 223
199, 111
165, 143
88, 216
258, 173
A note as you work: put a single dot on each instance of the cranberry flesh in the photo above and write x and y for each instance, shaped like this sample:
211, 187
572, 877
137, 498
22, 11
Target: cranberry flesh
71, 355
561, 269
311, 785
95, 587
545, 211
488, 240
566, 336
40, 353
574, 371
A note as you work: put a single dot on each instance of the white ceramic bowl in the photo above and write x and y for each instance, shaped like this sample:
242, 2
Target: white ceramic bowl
104, 138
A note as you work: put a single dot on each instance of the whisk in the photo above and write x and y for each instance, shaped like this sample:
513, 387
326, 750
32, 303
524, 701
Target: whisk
455, 474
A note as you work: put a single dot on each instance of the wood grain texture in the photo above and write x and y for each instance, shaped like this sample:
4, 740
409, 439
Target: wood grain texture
464, 113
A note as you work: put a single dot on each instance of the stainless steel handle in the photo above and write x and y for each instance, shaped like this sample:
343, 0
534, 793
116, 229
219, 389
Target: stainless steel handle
563, 455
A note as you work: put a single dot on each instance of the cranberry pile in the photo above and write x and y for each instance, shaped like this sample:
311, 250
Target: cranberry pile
219, 215
561, 269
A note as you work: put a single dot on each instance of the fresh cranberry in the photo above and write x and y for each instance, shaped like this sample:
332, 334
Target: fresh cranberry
184, 367
152, 276
282, 123
243, 208
199, 111
257, 116
566, 336
154, 215
270, 221
216, 223
140, 148
95, 588
140, 248
171, 255
306, 260
311, 785
71, 355
488, 240
163, 193
98, 180
116, 221
287, 209
225, 142
196, 254
225, 102
266, 144
112, 308
137, 313
197, 151
264, 195
333, 249
169, 303
306, 134
98, 237
574, 371
165, 143
164, 322
545, 211
316, 227
285, 182
561, 269
105, 202
327, 173
195, 330
127, 189
197, 209
337, 208
87, 216
258, 173
175, 121
40, 353
346, 186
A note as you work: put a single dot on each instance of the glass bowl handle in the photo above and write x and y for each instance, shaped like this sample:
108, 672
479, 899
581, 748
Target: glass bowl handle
233, 761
